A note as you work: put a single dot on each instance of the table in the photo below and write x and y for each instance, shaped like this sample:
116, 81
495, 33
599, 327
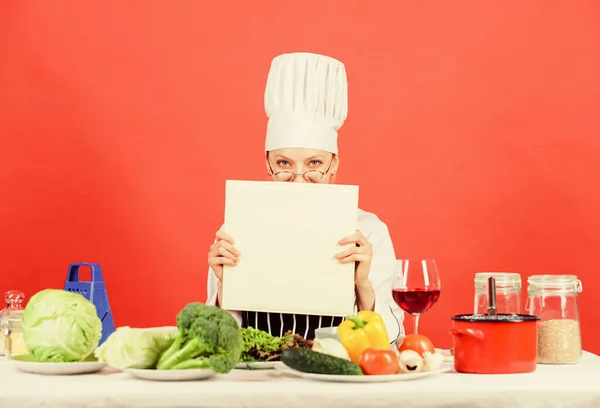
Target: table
576, 386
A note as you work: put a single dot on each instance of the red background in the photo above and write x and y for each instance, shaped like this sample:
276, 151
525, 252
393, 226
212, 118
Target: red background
473, 133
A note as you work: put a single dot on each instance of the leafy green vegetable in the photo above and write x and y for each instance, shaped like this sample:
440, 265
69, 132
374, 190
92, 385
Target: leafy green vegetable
261, 346
209, 337
136, 348
60, 326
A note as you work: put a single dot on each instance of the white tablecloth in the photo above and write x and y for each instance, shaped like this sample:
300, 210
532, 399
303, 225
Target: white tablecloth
576, 386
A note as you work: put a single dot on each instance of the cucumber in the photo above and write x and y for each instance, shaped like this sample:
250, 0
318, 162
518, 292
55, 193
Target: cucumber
309, 361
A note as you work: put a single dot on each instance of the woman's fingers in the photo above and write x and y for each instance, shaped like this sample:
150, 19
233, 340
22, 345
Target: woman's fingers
224, 244
220, 260
357, 238
221, 235
350, 239
356, 258
349, 251
222, 252
361, 253
218, 249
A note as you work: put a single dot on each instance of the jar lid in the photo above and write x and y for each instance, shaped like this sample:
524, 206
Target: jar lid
14, 297
564, 282
15, 324
502, 278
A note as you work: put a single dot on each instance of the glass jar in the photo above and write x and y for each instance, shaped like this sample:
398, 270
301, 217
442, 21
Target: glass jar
554, 298
508, 292
14, 302
14, 343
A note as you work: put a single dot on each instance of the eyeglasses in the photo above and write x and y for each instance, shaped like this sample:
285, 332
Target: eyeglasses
311, 176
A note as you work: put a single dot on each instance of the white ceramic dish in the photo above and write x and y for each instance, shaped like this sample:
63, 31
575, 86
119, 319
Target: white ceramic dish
327, 333
260, 365
448, 356
362, 378
170, 375
27, 364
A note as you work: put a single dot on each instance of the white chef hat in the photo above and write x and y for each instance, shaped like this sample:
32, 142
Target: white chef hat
306, 101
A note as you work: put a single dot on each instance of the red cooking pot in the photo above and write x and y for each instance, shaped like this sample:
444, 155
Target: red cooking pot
495, 344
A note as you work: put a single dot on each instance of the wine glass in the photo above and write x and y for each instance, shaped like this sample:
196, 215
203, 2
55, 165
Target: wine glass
416, 286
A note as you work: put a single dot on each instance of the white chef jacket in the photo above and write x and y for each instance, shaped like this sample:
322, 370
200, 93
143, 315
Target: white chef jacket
381, 272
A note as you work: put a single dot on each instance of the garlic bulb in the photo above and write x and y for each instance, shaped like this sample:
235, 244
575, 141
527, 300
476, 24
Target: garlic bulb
330, 347
432, 361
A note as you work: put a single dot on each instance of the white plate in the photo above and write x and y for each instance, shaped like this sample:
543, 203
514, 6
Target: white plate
448, 356
29, 365
259, 365
363, 378
171, 375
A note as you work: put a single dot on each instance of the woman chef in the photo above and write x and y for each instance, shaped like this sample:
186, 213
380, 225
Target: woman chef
306, 101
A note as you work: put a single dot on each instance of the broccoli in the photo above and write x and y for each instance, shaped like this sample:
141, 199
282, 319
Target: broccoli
209, 337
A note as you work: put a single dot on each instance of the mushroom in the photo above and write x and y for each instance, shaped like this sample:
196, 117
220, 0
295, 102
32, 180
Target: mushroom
410, 361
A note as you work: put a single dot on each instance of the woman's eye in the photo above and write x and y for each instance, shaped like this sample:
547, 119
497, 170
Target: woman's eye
316, 162
283, 163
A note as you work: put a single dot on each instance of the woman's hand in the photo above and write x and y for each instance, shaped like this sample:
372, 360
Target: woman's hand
222, 252
362, 254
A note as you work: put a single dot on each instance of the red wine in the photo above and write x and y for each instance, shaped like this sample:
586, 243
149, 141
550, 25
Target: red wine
415, 301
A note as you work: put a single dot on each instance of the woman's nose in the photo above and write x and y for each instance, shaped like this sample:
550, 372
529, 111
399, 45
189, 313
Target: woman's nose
299, 175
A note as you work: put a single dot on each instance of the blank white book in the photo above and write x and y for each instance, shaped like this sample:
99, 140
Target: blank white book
287, 235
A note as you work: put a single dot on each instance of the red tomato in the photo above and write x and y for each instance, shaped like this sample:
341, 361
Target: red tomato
418, 343
378, 362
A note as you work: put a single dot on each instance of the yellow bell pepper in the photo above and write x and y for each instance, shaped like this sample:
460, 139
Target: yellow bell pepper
363, 331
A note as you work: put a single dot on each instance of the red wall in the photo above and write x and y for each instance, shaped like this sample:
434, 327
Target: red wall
473, 132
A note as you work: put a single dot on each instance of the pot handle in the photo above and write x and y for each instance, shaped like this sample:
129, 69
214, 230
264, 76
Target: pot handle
478, 334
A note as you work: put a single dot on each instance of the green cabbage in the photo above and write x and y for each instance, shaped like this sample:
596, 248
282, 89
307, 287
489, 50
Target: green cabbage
135, 348
60, 326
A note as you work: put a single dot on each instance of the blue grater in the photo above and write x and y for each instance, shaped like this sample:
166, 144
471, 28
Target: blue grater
95, 292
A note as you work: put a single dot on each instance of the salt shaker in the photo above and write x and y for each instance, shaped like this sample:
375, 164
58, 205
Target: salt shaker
554, 298
14, 342
14, 303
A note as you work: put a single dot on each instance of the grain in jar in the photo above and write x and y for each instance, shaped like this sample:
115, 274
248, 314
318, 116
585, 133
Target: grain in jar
554, 298
559, 341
